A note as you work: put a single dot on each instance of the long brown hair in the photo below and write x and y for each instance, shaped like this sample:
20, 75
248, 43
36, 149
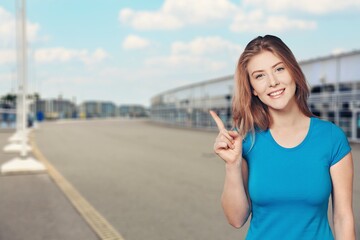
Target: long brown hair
249, 113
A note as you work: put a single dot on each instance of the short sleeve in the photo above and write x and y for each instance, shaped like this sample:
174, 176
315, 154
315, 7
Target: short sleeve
340, 144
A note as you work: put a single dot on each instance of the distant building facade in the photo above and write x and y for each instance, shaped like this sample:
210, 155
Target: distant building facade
51, 109
335, 95
132, 111
97, 109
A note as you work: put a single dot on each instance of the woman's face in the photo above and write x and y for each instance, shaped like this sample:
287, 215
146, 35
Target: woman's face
271, 81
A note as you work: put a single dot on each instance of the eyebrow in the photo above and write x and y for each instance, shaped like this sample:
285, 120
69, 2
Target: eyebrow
263, 70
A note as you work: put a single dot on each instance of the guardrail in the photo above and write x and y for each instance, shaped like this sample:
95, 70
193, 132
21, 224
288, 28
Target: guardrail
7, 118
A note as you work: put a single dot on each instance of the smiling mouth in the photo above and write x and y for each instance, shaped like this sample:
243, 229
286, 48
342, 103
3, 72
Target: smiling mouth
276, 93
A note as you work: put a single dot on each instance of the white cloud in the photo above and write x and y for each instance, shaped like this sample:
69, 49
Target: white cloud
256, 21
60, 54
200, 11
7, 77
8, 29
7, 56
57, 54
7, 24
317, 7
146, 20
175, 14
78, 80
338, 51
97, 56
135, 42
202, 53
187, 63
205, 45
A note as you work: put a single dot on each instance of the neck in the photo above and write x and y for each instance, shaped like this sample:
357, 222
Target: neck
287, 119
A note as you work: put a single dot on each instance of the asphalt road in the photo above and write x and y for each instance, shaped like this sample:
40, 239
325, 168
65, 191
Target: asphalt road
149, 181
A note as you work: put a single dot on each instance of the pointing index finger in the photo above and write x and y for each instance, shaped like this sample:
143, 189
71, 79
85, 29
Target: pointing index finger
217, 120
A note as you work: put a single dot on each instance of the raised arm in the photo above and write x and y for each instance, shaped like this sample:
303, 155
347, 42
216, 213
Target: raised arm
235, 200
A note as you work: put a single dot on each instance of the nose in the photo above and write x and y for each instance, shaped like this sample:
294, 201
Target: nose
273, 80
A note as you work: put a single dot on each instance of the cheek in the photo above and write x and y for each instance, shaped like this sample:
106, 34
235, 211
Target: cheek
258, 87
292, 85
287, 79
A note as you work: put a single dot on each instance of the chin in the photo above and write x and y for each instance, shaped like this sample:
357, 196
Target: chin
281, 106
277, 108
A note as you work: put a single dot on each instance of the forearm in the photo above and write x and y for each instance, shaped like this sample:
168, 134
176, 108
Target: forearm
344, 228
234, 199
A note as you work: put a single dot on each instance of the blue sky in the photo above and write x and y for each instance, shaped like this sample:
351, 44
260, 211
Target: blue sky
128, 51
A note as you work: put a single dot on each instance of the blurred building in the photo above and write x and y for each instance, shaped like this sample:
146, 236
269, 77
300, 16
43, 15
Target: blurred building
108, 109
335, 95
51, 109
133, 111
7, 113
97, 109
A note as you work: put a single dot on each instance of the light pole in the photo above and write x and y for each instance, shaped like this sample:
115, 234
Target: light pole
24, 163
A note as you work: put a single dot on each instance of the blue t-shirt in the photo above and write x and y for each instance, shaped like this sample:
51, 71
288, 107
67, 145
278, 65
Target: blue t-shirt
290, 188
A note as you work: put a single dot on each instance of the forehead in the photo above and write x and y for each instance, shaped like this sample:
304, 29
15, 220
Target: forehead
263, 61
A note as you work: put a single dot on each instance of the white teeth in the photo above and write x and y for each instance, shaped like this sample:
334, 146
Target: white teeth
276, 93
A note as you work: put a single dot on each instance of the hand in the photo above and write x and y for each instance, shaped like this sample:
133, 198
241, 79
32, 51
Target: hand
228, 144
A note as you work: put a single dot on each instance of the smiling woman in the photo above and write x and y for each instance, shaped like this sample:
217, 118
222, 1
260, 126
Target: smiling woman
272, 169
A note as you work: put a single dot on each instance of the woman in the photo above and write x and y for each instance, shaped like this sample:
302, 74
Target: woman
282, 163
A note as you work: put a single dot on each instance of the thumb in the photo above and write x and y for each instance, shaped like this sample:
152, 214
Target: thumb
234, 134
236, 137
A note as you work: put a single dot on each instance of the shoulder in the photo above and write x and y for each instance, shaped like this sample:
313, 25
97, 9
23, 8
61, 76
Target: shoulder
325, 133
328, 132
326, 128
318, 122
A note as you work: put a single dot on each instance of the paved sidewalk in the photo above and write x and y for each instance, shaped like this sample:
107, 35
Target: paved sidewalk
32, 207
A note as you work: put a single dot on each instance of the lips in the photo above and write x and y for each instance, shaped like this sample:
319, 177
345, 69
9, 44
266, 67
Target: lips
276, 93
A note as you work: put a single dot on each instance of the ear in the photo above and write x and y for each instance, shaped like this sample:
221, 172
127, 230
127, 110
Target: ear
254, 92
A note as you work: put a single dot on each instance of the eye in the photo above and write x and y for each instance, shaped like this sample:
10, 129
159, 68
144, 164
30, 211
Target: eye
258, 76
279, 69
